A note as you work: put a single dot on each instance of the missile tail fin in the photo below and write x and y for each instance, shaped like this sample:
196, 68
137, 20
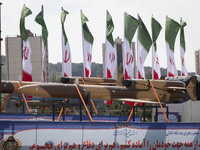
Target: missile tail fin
191, 87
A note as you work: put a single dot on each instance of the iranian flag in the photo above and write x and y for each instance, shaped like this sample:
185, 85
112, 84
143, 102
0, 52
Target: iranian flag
156, 28
182, 49
26, 63
87, 46
130, 26
143, 45
110, 52
40, 20
171, 30
66, 53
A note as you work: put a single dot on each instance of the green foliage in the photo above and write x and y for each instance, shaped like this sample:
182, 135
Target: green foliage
148, 74
55, 70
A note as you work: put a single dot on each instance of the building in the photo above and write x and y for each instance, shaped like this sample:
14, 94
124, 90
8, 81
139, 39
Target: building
118, 44
13, 46
197, 62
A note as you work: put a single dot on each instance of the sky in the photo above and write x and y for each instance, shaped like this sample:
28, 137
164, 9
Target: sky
95, 11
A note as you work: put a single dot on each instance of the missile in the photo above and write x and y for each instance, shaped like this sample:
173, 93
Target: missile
90, 80
12, 86
138, 90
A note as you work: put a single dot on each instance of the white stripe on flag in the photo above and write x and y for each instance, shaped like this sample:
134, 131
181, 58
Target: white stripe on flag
87, 57
128, 60
141, 56
27, 65
110, 60
66, 59
182, 57
171, 66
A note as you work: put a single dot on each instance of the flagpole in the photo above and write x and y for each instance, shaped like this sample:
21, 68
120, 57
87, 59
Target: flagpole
137, 51
152, 74
42, 9
124, 55
0, 51
82, 44
152, 48
180, 53
105, 60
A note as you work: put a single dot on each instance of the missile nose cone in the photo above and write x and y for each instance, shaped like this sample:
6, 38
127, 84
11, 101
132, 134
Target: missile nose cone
34, 90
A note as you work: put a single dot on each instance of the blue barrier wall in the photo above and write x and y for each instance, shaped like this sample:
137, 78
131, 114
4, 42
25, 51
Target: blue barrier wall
100, 135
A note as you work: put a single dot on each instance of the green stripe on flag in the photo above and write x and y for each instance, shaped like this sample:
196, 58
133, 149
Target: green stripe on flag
63, 17
182, 36
25, 12
156, 28
40, 20
171, 30
143, 36
130, 24
86, 32
110, 28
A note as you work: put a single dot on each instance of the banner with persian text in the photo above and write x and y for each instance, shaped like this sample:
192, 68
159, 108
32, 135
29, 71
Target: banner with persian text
35, 135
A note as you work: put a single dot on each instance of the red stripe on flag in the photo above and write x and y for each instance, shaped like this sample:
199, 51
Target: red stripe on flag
126, 75
139, 75
170, 74
26, 76
155, 75
109, 102
109, 73
65, 75
130, 103
87, 72
43, 76
109, 76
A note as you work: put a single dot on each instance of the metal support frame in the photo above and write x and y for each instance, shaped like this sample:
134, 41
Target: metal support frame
144, 108
67, 104
60, 99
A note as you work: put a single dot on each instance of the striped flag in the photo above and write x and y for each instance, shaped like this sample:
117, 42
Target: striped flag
66, 53
143, 46
110, 52
171, 30
182, 49
87, 46
26, 63
156, 28
130, 26
40, 20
